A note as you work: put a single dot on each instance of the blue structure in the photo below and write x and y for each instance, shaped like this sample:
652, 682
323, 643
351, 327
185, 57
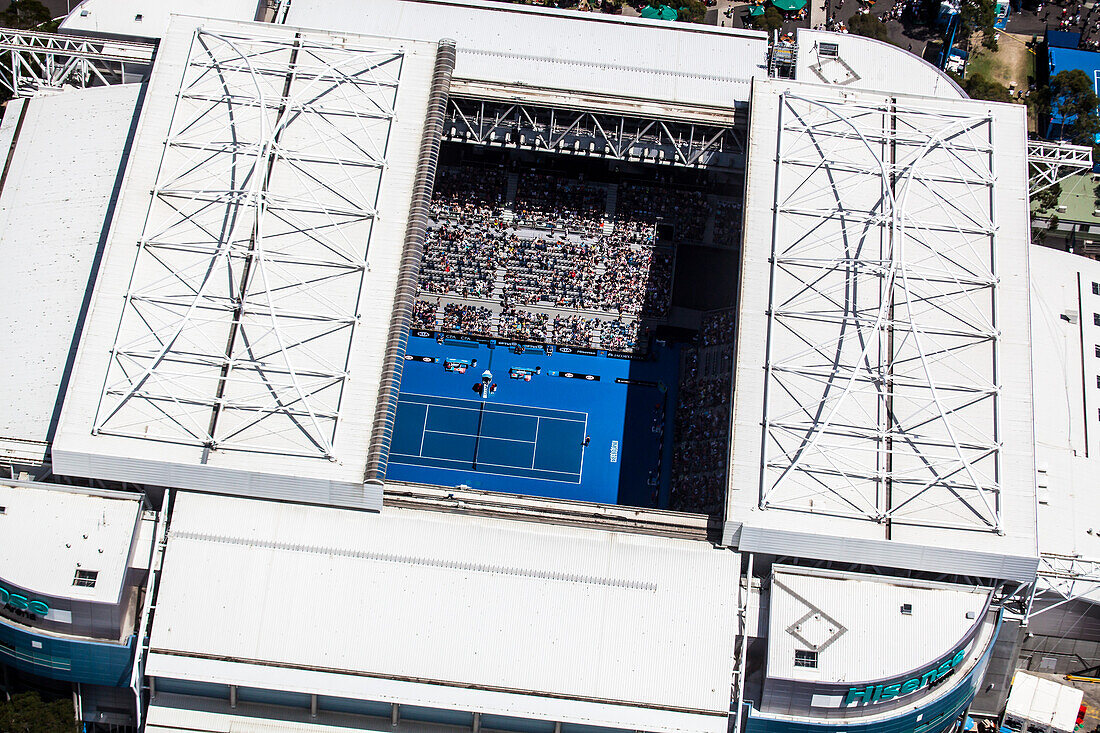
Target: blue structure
1064, 59
73, 660
1063, 39
940, 714
566, 423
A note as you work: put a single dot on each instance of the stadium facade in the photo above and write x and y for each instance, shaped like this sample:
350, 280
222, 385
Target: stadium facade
436, 365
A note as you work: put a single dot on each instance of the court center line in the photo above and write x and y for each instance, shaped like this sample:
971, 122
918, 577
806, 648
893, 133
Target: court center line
538, 421
483, 437
424, 430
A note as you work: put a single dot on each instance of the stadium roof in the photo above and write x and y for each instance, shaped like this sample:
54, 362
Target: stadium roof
459, 612
857, 62
571, 51
236, 336
845, 614
1067, 401
47, 532
899, 231
55, 201
147, 18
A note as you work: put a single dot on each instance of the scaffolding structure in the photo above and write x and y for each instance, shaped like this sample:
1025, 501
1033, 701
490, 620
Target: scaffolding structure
882, 384
597, 134
245, 294
33, 62
1065, 578
1049, 163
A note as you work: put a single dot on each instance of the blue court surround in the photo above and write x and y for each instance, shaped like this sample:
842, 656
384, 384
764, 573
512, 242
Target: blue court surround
529, 436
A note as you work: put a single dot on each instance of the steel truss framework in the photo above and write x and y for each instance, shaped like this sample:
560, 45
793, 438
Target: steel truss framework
881, 369
1065, 578
598, 134
1049, 163
31, 62
238, 324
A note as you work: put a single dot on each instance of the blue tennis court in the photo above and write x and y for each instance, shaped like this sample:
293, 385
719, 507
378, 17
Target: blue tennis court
493, 438
557, 424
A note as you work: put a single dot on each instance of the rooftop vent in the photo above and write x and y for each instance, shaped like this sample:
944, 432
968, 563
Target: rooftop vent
138, 17
829, 50
907, 609
85, 578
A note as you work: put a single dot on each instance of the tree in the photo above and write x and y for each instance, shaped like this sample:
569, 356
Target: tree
1071, 101
865, 24
25, 15
28, 713
693, 11
975, 15
770, 21
1047, 199
979, 87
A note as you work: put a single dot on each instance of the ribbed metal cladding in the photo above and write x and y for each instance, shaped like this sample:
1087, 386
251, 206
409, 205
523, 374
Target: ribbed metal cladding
409, 275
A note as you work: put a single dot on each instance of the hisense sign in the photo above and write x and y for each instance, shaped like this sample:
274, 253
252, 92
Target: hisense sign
880, 693
21, 604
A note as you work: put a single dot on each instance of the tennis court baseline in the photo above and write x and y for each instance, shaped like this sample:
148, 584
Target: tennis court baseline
489, 437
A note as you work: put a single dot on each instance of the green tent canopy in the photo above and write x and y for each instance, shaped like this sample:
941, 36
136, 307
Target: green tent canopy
789, 6
662, 13
756, 10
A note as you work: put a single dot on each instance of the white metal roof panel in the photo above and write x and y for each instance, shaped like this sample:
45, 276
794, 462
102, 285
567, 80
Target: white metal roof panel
53, 213
48, 532
865, 63
1044, 701
565, 50
1067, 401
847, 614
959, 451
483, 612
147, 18
286, 377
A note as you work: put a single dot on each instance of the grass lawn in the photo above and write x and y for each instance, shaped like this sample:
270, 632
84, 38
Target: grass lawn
1013, 62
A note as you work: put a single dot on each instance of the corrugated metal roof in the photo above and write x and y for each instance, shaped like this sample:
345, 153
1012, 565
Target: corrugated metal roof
53, 212
291, 407
48, 532
1065, 336
147, 18
567, 50
865, 63
928, 294
482, 612
844, 615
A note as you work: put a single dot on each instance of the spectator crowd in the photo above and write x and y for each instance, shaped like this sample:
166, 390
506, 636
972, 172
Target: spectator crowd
701, 443
555, 248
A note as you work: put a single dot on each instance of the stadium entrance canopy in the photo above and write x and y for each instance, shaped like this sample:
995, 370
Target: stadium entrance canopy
789, 6
663, 12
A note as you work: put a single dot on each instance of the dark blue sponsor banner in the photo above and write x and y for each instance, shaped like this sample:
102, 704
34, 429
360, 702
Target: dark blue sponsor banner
626, 355
638, 382
576, 350
575, 375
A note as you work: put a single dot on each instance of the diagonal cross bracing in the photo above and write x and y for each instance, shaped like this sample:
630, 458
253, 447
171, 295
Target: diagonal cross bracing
244, 297
882, 390
31, 61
